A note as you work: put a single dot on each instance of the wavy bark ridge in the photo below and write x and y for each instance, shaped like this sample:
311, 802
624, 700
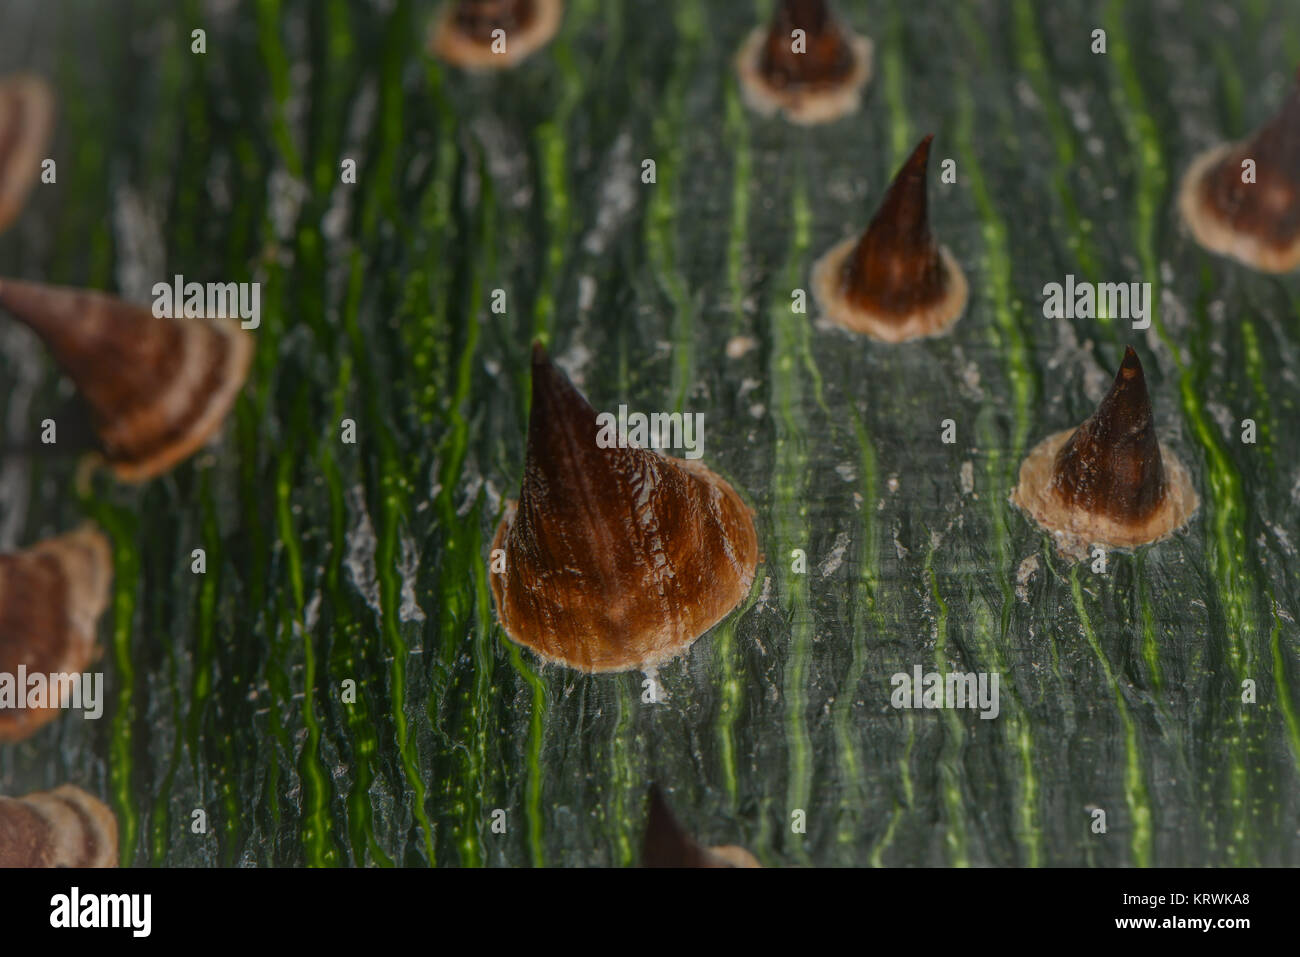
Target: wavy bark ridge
615, 558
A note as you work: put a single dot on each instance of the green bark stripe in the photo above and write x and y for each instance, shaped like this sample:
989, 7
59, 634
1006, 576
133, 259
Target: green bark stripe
120, 526
462, 582
892, 68
731, 690
1007, 335
730, 686
536, 730
1262, 413
737, 128
394, 491
205, 670
366, 744
1005, 331
626, 793
790, 510
1014, 723
1033, 62
277, 66
393, 496
866, 617
317, 826
552, 152
1285, 696
1150, 643
344, 662
950, 753
378, 199
1135, 790
663, 210
472, 786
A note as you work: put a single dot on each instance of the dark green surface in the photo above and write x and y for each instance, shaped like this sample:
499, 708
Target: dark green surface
1119, 691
